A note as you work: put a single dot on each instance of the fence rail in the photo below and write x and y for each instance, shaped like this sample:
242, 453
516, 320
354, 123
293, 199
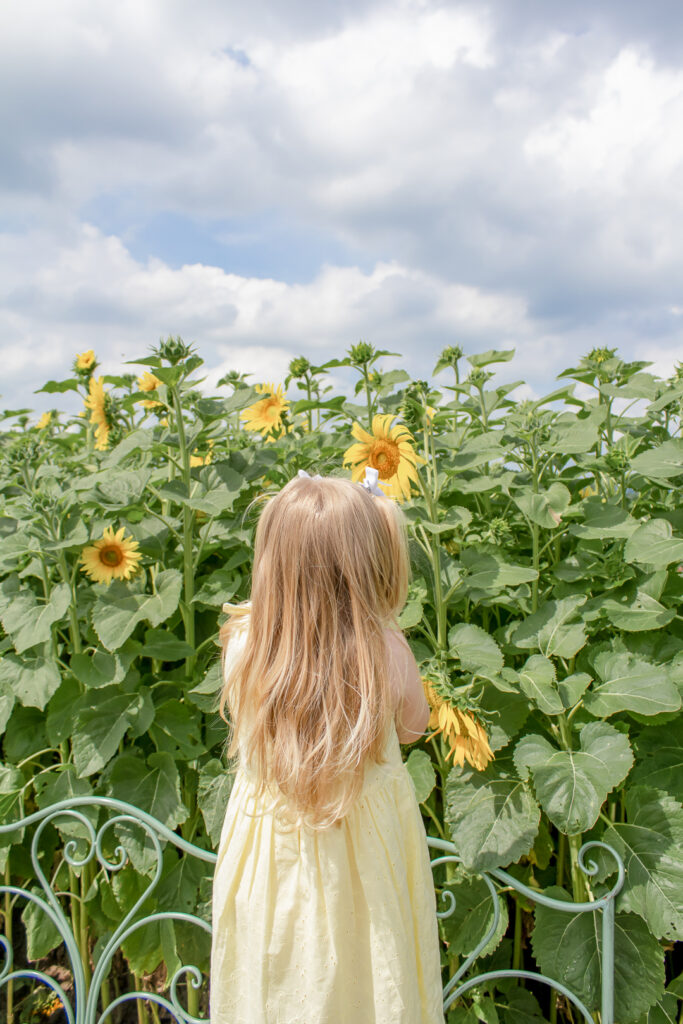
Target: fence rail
86, 1001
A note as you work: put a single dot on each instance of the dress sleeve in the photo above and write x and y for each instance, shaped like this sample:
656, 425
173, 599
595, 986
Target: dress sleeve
412, 710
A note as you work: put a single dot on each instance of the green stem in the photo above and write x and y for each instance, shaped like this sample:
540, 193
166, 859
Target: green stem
187, 610
456, 400
74, 629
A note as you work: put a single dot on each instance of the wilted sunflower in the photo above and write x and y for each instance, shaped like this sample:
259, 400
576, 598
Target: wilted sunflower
44, 421
465, 736
97, 403
112, 558
390, 451
85, 361
266, 414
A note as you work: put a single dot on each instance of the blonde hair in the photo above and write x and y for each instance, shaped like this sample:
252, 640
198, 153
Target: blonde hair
309, 697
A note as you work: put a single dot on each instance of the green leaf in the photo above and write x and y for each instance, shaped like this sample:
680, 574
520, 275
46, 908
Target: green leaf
650, 845
100, 668
53, 387
472, 917
572, 785
219, 587
32, 680
662, 463
421, 771
476, 649
25, 734
659, 758
522, 1007
492, 815
663, 1012
59, 721
42, 935
544, 508
630, 683
26, 620
572, 687
489, 575
166, 646
177, 729
102, 718
553, 629
568, 947
153, 786
66, 785
507, 711
215, 786
537, 680
653, 544
636, 615
118, 609
491, 356
604, 520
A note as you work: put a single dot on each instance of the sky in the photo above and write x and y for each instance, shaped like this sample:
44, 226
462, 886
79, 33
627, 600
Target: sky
283, 178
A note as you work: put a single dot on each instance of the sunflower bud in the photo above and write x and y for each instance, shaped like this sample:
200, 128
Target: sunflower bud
173, 350
361, 354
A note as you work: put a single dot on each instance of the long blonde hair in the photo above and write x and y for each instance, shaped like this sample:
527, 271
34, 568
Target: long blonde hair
309, 695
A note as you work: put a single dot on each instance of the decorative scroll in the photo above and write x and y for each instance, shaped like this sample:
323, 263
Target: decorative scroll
85, 1007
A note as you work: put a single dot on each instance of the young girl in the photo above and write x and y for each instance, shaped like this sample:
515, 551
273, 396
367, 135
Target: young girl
323, 904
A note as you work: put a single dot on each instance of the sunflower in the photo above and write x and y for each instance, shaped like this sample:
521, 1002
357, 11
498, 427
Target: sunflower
86, 360
97, 402
113, 557
464, 734
390, 451
266, 414
44, 421
148, 381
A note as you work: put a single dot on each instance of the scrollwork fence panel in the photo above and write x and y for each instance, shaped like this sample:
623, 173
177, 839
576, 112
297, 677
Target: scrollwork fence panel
86, 1005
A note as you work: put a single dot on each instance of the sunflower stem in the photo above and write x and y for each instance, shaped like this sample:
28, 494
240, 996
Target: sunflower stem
187, 608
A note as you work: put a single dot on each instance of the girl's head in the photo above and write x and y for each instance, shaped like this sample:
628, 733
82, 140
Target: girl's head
309, 697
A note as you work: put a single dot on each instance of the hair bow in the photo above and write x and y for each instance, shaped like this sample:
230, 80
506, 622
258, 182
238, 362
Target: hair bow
370, 482
303, 473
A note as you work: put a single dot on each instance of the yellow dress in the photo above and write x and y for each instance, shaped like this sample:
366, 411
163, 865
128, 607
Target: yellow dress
327, 927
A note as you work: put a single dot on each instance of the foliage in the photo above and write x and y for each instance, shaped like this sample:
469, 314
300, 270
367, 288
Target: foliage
546, 544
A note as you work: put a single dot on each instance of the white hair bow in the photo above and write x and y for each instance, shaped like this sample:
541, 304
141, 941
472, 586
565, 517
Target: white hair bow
369, 483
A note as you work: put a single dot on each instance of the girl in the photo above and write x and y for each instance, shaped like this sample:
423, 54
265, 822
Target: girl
323, 904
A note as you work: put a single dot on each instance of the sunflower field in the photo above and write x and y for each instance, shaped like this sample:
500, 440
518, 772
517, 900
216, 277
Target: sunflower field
545, 612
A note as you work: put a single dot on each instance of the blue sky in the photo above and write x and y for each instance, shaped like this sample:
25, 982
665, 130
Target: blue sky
281, 178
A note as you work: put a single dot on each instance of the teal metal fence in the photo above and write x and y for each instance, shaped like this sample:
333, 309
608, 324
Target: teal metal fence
109, 845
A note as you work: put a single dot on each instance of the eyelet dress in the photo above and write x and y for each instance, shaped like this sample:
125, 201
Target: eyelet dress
332, 926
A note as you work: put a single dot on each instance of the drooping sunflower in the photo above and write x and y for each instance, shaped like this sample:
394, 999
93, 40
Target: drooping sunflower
114, 557
390, 451
465, 736
86, 360
96, 402
266, 414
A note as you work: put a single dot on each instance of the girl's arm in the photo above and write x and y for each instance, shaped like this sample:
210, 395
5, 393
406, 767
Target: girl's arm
412, 710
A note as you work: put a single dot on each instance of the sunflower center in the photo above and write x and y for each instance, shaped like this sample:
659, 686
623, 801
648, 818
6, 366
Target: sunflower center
111, 556
385, 458
272, 410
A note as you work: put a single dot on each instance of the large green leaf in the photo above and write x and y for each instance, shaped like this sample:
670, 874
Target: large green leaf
177, 729
544, 508
507, 711
604, 520
422, 774
653, 544
663, 1012
650, 845
476, 649
42, 935
568, 947
492, 815
553, 629
102, 668
101, 719
572, 785
630, 683
32, 680
152, 785
662, 463
637, 614
538, 682
26, 620
215, 786
489, 574
659, 758
118, 608
472, 916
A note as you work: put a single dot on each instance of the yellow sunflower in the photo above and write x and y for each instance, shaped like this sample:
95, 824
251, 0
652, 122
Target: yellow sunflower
465, 736
390, 451
86, 360
115, 557
44, 421
148, 382
266, 414
96, 403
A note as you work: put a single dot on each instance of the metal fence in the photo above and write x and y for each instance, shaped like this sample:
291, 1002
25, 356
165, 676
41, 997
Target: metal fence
84, 1002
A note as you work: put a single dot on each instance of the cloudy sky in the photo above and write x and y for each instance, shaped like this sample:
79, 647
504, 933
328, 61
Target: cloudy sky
285, 177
